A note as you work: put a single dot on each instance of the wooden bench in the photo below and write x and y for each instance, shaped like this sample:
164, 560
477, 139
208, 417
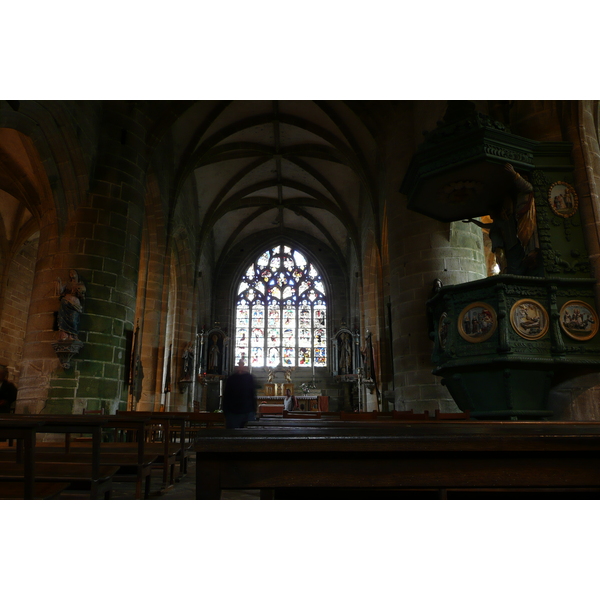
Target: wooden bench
382, 423
79, 477
10, 490
437, 456
409, 415
133, 460
130, 451
270, 409
396, 415
194, 422
461, 416
89, 477
164, 426
180, 428
301, 415
25, 433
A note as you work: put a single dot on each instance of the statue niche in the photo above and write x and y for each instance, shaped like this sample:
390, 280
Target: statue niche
345, 354
214, 354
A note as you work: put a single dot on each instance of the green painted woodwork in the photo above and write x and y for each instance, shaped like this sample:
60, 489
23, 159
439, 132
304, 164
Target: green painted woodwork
516, 392
506, 375
460, 173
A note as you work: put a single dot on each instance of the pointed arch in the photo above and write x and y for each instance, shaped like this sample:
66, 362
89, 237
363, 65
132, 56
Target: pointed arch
281, 311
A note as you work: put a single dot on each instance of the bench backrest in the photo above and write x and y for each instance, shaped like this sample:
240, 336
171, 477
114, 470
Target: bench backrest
461, 416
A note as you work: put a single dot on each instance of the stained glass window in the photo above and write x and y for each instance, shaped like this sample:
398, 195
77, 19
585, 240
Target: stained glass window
281, 312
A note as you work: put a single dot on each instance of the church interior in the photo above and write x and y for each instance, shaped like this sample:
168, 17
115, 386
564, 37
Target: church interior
148, 246
302, 188
389, 265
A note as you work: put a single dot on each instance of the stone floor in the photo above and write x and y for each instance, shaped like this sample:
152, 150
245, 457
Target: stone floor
183, 489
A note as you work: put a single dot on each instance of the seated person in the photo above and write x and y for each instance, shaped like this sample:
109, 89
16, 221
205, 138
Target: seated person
8, 391
290, 403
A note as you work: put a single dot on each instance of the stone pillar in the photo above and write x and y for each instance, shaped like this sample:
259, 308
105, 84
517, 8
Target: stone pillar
577, 398
39, 359
422, 250
102, 242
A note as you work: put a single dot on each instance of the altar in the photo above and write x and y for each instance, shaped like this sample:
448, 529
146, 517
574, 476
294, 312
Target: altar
274, 404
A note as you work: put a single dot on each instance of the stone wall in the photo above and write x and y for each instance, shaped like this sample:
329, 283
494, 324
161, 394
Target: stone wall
425, 250
15, 306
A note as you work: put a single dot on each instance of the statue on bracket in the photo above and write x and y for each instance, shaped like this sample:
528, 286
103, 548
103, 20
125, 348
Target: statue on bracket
71, 297
187, 363
72, 294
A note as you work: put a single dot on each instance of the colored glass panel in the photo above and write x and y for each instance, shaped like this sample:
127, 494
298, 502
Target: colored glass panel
293, 328
273, 357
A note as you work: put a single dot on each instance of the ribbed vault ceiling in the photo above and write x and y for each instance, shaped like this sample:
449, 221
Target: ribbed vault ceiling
266, 166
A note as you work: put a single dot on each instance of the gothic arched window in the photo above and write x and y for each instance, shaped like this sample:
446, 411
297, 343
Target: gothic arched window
281, 312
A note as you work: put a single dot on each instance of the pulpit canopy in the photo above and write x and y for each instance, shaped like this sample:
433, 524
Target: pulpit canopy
459, 171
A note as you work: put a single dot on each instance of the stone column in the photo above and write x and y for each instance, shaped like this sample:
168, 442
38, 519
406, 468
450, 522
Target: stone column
101, 241
422, 250
577, 398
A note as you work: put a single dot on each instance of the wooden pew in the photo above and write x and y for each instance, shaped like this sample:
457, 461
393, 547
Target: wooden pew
130, 451
160, 443
178, 429
396, 415
132, 459
301, 415
331, 423
78, 476
10, 490
437, 456
193, 422
409, 415
359, 416
89, 477
25, 433
270, 409
461, 416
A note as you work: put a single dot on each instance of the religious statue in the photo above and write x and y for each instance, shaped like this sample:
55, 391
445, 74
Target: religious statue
188, 363
213, 354
367, 356
513, 230
136, 380
72, 294
288, 375
345, 360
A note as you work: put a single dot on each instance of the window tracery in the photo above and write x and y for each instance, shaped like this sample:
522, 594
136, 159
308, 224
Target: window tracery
281, 312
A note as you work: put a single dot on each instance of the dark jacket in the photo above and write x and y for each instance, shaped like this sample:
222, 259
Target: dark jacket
8, 395
239, 395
